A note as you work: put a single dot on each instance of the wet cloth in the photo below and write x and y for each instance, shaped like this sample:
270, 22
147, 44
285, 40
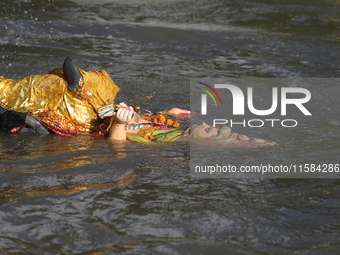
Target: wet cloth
158, 137
48, 98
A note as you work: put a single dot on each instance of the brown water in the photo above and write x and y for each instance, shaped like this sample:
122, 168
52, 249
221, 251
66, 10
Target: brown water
81, 195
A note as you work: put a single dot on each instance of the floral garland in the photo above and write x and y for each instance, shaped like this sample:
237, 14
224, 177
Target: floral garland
158, 123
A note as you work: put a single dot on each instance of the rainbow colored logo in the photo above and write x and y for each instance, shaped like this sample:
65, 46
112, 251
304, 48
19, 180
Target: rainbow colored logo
209, 93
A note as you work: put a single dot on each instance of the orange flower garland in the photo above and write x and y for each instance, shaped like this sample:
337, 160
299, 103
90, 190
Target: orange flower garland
160, 119
169, 122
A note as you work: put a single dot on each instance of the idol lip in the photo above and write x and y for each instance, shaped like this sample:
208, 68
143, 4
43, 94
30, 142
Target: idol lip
211, 129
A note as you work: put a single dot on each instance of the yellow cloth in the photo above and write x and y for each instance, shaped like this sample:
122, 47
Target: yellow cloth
48, 98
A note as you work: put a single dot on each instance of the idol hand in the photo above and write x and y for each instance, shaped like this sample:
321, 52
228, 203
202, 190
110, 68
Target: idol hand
178, 111
124, 115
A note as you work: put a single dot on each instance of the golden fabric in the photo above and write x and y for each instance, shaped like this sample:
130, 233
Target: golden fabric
48, 98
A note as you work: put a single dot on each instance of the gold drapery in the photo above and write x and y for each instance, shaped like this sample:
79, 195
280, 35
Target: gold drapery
48, 98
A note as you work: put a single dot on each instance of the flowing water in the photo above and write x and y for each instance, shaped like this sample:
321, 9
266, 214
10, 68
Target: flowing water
80, 195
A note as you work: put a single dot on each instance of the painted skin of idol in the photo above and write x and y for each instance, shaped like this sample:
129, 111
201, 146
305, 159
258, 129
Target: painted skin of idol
206, 132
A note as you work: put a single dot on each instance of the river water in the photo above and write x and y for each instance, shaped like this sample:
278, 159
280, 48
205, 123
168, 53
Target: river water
80, 195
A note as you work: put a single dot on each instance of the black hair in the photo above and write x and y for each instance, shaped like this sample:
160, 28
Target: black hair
11, 119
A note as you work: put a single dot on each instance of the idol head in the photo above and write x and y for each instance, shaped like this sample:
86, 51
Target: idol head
204, 131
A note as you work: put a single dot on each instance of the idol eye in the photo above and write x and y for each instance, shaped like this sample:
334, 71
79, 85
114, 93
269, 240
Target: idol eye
207, 130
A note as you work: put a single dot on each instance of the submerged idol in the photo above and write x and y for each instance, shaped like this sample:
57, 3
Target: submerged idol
150, 134
70, 101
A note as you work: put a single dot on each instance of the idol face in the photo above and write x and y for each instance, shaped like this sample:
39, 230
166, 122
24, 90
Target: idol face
204, 131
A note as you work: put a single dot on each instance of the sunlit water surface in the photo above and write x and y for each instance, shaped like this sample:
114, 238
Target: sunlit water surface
81, 195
